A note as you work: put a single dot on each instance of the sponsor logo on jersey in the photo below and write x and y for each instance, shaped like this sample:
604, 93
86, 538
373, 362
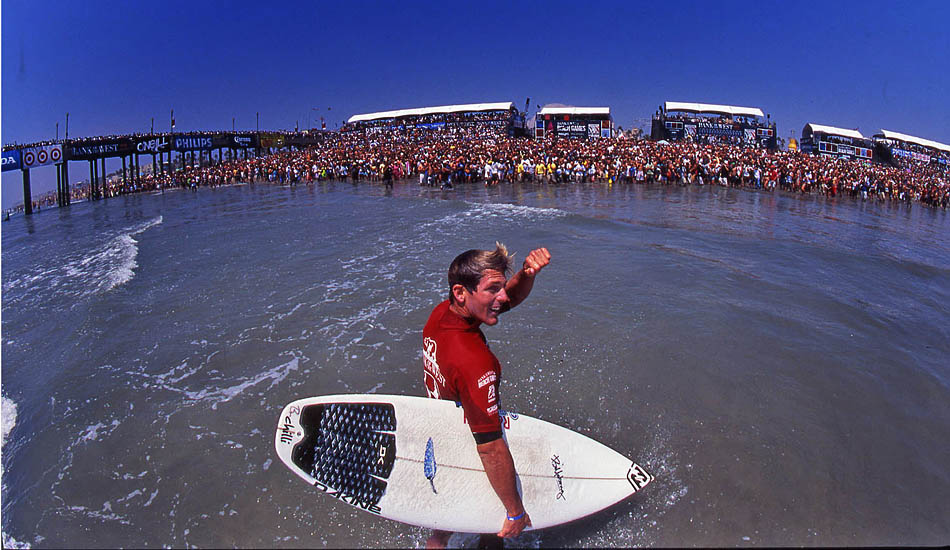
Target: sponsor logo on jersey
433, 376
493, 409
487, 378
491, 394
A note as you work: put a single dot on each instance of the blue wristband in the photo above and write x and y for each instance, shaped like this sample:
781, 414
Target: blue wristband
516, 518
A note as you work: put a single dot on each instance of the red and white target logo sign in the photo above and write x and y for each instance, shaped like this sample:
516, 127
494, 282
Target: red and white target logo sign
40, 156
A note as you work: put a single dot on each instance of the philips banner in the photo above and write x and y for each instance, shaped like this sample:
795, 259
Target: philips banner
11, 160
41, 156
193, 143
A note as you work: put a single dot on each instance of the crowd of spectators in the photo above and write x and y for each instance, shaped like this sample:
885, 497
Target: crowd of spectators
442, 158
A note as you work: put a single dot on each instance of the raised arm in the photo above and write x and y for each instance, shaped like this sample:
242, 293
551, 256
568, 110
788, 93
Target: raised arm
520, 285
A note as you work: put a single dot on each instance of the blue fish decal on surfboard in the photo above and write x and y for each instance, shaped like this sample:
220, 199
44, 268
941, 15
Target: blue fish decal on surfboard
429, 464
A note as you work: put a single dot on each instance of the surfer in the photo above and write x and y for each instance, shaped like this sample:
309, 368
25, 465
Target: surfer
459, 366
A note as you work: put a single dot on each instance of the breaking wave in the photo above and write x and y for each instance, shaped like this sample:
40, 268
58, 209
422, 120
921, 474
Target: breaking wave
83, 273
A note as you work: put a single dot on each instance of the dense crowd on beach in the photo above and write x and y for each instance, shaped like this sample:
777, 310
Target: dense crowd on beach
479, 154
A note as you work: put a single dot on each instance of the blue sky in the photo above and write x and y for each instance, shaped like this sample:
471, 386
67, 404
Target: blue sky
115, 65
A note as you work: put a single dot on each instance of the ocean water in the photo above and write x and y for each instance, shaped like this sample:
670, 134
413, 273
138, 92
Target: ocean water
781, 364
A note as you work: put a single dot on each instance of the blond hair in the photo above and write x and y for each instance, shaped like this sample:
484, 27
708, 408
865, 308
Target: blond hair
468, 267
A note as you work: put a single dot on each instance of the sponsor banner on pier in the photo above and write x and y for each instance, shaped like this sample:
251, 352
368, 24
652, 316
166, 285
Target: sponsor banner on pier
151, 144
195, 142
41, 156
90, 150
223, 141
234, 141
303, 140
11, 160
272, 140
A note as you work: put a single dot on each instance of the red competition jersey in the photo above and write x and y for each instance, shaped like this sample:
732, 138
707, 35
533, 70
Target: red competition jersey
458, 366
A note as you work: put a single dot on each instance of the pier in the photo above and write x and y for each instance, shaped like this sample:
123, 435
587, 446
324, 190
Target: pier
168, 151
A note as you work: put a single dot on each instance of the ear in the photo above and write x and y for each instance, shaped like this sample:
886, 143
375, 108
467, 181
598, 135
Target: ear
458, 292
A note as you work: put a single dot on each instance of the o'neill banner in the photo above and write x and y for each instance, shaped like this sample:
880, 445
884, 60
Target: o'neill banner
41, 156
11, 160
152, 144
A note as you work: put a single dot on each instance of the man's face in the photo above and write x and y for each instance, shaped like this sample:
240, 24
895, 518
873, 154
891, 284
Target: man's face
484, 305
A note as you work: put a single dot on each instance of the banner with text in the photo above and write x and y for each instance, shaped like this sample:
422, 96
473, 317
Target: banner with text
571, 128
197, 142
153, 145
11, 160
234, 141
716, 129
91, 150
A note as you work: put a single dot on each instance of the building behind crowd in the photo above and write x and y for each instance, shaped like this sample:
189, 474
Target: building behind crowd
707, 123
910, 149
474, 119
574, 122
828, 141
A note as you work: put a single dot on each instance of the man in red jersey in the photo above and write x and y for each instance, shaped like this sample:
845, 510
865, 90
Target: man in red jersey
459, 366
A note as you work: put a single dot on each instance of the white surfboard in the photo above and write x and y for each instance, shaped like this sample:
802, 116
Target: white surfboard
413, 459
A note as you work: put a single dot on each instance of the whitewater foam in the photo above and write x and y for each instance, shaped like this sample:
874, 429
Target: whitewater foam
8, 421
8, 414
219, 395
106, 267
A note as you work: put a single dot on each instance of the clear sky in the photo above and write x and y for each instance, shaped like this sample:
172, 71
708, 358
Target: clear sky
115, 65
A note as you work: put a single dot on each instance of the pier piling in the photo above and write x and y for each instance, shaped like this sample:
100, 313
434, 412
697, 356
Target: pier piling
27, 196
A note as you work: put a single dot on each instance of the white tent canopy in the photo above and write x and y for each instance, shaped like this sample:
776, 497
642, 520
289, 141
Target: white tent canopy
575, 111
911, 139
854, 134
712, 109
471, 107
